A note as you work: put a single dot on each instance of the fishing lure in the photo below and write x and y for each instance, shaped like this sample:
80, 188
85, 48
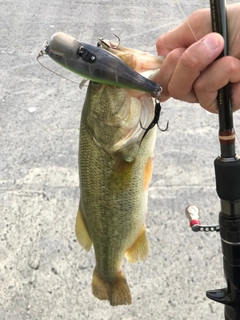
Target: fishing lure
96, 64
99, 65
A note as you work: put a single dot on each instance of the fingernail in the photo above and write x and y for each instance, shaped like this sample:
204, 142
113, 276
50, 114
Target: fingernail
211, 43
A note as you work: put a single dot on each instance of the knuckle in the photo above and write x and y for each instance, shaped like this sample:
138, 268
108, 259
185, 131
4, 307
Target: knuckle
189, 61
197, 17
199, 85
198, 14
174, 56
236, 96
175, 91
230, 65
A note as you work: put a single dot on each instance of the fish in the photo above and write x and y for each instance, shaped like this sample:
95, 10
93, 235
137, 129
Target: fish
115, 169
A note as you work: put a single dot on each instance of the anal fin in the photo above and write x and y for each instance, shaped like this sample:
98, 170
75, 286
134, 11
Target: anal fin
139, 250
82, 233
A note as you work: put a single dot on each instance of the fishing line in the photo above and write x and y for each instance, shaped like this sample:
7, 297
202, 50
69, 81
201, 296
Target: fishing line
186, 18
41, 53
171, 22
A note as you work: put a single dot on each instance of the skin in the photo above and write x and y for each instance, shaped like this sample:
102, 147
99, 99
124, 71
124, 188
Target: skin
190, 71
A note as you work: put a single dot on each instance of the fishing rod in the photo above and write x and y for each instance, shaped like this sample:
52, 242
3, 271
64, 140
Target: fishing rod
227, 174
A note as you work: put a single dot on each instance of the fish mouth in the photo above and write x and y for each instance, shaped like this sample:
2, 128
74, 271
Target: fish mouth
138, 60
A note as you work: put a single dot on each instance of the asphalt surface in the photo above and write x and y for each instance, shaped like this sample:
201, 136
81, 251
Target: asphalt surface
44, 273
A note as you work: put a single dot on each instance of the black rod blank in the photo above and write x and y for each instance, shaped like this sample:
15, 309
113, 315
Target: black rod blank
227, 172
226, 130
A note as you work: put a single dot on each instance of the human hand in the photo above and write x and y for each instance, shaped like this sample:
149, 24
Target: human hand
190, 72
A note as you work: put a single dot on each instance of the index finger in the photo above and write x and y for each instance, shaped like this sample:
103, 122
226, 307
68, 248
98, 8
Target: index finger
192, 62
191, 30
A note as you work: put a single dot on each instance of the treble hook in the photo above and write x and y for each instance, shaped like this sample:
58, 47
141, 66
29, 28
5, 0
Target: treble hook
155, 120
108, 44
119, 41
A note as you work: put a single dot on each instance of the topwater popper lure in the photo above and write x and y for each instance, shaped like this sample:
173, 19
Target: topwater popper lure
96, 64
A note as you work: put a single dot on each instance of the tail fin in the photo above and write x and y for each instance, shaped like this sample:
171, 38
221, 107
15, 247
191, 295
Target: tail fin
116, 292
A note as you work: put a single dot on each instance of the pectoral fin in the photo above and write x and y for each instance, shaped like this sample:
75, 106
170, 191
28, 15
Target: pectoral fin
139, 250
82, 233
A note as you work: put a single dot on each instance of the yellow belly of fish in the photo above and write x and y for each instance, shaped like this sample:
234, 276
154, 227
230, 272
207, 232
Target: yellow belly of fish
112, 213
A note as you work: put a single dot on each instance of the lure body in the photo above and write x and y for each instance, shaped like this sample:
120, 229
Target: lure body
97, 64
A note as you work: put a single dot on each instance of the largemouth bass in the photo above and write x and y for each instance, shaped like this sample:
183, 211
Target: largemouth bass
115, 169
